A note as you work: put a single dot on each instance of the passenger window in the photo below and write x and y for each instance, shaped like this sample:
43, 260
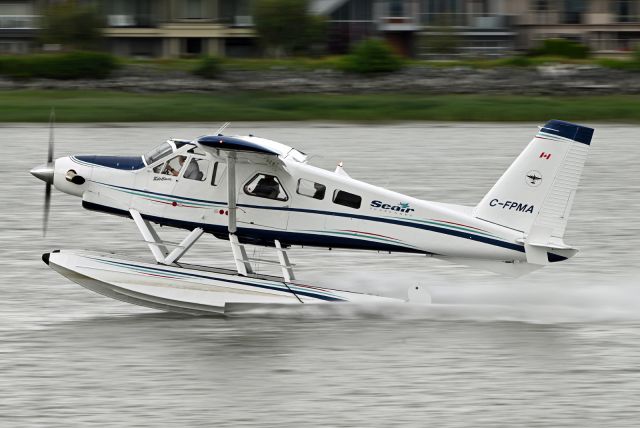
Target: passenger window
347, 199
266, 186
197, 169
215, 173
311, 189
173, 166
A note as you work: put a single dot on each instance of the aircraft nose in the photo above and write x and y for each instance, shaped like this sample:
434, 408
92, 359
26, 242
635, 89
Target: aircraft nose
44, 172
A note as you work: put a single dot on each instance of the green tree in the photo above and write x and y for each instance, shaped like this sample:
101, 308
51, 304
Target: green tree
72, 25
372, 56
287, 27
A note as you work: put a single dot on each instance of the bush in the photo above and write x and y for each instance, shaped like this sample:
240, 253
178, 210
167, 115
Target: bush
73, 65
636, 54
516, 61
372, 56
287, 27
562, 48
209, 67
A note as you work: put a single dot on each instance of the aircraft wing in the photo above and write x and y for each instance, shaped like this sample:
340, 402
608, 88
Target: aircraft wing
258, 146
245, 149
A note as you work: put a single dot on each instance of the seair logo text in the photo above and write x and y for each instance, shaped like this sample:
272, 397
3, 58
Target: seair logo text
511, 205
400, 207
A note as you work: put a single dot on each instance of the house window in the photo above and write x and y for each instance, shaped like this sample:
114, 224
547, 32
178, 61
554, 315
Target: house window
396, 8
311, 189
624, 10
193, 9
193, 46
573, 11
540, 5
347, 199
266, 186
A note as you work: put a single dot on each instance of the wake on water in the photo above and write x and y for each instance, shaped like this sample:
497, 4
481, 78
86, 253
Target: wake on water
543, 301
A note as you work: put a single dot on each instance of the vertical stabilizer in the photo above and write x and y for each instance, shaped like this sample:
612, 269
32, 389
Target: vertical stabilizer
535, 194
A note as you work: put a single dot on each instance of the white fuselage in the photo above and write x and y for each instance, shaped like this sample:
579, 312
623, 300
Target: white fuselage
383, 221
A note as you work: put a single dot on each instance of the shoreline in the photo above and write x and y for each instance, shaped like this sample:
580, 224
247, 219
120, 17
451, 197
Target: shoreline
94, 106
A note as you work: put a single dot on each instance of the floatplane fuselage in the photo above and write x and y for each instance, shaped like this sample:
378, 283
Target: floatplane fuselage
255, 191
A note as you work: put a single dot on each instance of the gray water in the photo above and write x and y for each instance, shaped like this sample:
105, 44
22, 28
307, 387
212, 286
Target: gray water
559, 347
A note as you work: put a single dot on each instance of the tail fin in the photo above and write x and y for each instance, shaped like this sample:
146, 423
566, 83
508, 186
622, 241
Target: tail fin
535, 194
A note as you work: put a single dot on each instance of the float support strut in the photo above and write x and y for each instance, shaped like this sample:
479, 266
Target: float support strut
184, 246
157, 246
283, 258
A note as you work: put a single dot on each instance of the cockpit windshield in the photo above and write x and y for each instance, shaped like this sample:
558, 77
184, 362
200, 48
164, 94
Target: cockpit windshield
158, 153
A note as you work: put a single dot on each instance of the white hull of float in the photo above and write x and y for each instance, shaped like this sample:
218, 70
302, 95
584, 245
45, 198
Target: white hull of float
190, 289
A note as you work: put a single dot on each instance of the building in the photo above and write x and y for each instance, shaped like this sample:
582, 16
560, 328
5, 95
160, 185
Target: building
146, 28
423, 28
18, 26
608, 27
437, 28
178, 28
418, 28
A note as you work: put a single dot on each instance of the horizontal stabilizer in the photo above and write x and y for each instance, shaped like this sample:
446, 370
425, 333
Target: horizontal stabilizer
542, 249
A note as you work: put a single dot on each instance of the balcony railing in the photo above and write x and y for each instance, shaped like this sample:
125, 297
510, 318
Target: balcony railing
19, 22
243, 21
140, 20
397, 23
472, 20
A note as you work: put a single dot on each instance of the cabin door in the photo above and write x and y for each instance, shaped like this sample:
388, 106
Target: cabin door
157, 185
263, 200
197, 195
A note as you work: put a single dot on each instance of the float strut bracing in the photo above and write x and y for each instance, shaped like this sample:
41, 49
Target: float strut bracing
158, 247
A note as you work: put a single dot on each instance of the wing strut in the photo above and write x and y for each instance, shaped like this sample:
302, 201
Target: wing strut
243, 265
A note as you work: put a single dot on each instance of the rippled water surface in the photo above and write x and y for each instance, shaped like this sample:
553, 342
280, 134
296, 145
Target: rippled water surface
559, 347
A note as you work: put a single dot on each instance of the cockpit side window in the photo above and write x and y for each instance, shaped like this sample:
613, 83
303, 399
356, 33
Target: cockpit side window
172, 166
266, 186
158, 153
197, 169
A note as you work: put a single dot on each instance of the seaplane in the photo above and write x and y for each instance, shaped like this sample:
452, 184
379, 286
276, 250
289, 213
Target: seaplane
251, 191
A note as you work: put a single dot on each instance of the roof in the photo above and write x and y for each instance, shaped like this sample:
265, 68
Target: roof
244, 144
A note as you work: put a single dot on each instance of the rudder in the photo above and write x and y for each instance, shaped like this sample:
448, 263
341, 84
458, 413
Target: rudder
536, 192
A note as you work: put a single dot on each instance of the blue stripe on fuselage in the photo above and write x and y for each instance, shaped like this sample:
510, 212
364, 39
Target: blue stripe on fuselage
431, 228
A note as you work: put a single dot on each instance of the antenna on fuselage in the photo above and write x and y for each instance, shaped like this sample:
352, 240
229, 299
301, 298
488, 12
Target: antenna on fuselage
223, 127
340, 170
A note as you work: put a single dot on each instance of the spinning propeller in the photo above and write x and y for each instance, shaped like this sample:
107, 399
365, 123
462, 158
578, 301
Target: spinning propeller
45, 173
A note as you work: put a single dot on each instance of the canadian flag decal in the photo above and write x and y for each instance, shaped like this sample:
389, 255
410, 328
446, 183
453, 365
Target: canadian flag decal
545, 155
